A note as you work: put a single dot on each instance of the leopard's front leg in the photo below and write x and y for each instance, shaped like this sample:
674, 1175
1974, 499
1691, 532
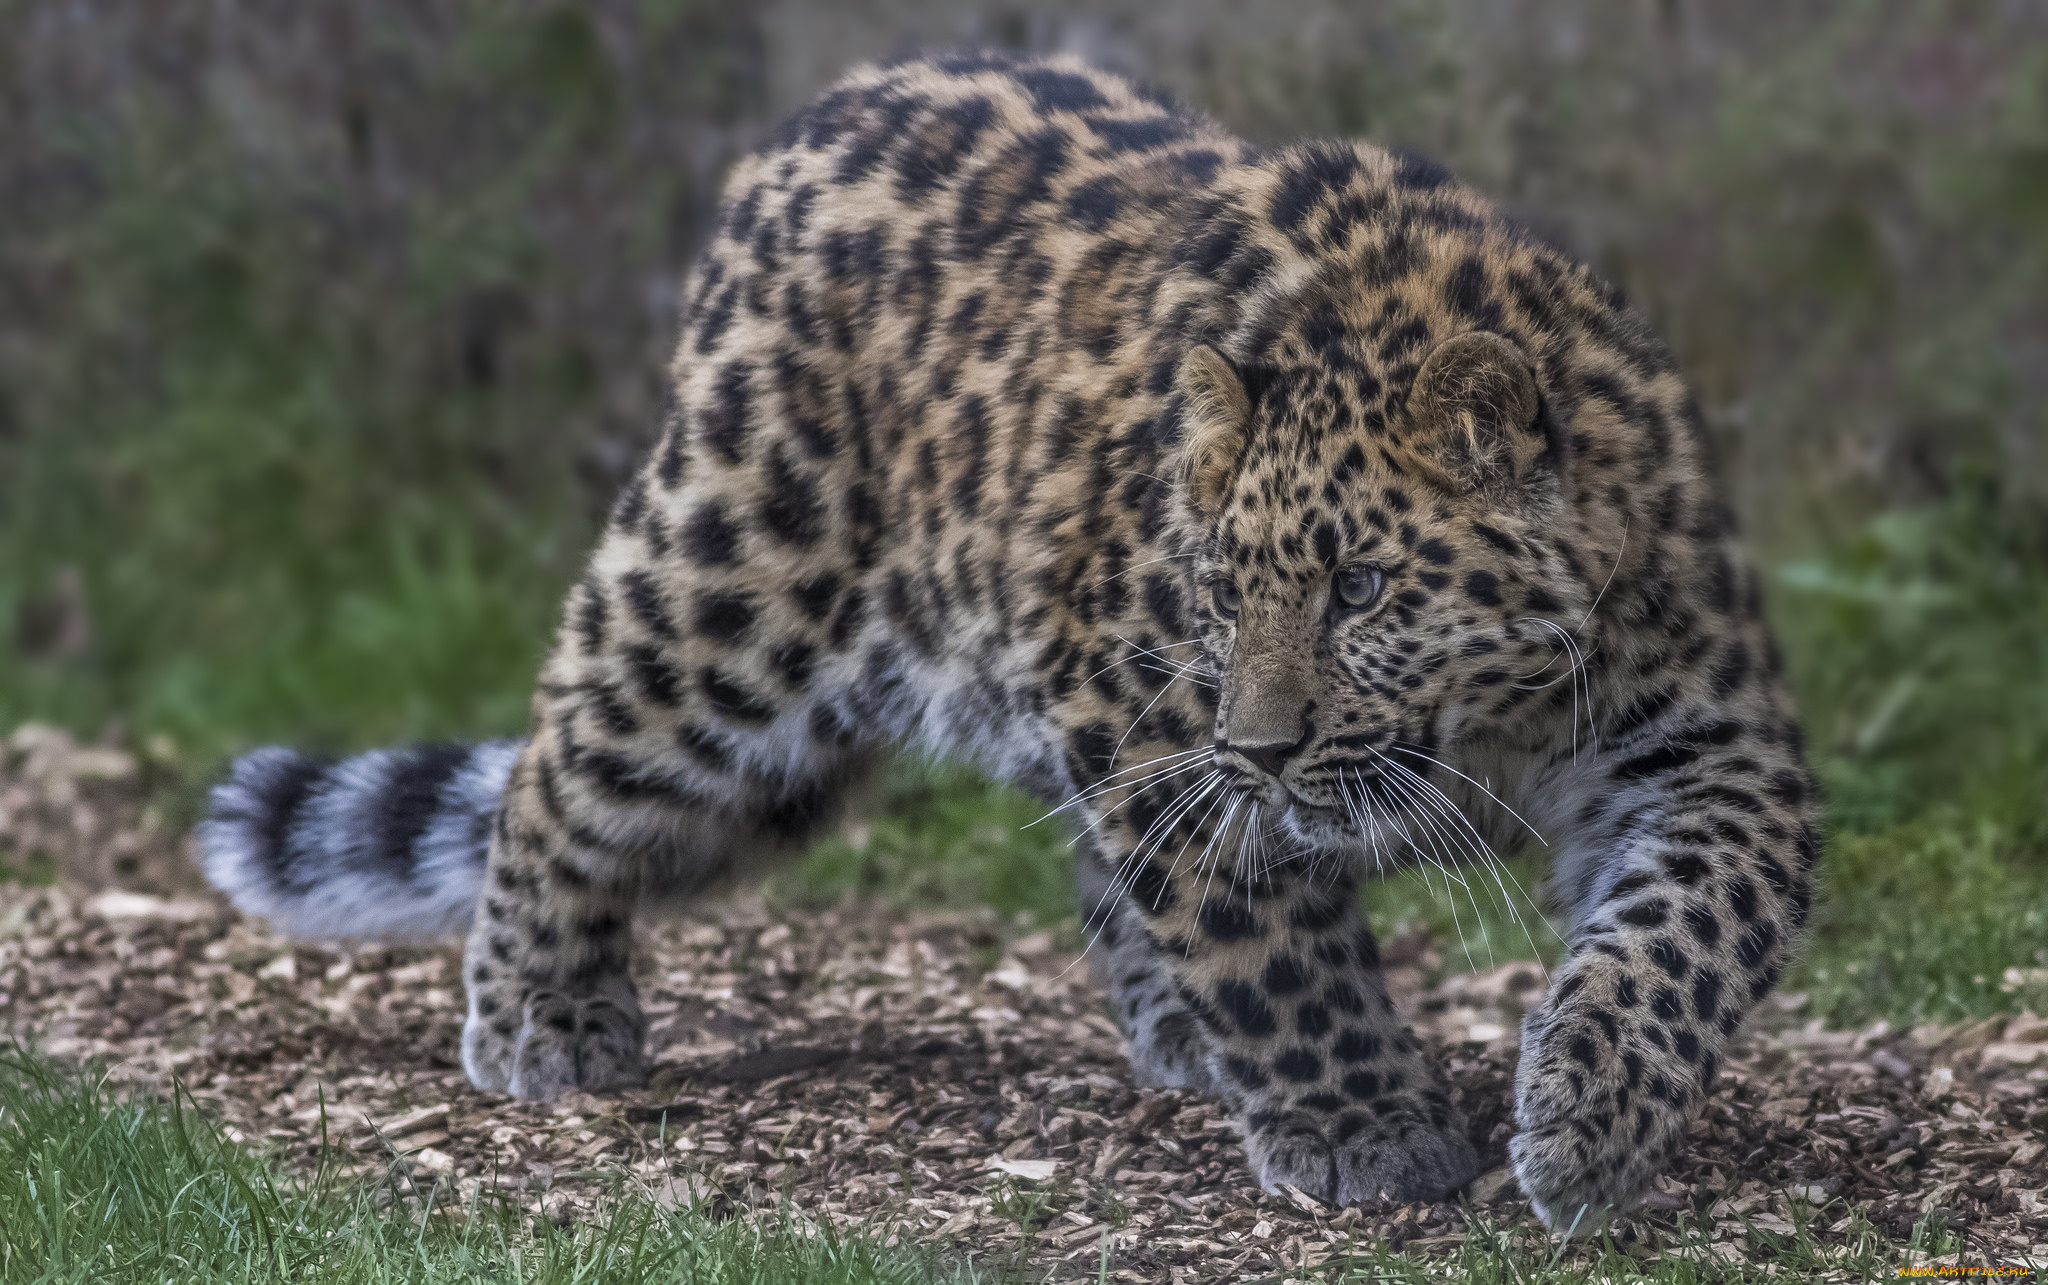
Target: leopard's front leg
1685, 895
1283, 977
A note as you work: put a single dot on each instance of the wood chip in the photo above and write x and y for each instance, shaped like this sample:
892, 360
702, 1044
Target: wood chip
1492, 1185
432, 1161
411, 1122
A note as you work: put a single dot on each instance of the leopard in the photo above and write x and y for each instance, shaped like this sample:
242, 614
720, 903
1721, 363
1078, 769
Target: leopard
1286, 517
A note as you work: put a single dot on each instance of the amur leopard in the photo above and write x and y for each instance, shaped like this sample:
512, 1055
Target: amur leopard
1289, 517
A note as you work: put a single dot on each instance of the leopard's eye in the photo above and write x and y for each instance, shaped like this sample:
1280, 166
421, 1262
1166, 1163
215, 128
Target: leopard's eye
1359, 585
1228, 599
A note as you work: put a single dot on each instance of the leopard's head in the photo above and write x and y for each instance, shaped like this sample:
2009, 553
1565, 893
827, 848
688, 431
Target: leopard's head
1378, 569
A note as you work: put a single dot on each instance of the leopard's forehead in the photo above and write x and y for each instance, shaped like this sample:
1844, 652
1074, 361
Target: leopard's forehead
1294, 514
1319, 483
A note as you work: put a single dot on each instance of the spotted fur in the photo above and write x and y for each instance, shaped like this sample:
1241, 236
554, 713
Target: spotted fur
1289, 517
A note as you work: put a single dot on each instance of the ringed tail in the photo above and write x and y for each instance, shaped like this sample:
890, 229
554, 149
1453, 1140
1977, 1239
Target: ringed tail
387, 845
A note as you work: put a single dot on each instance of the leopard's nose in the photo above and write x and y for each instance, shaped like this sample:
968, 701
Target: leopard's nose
1269, 757
1267, 714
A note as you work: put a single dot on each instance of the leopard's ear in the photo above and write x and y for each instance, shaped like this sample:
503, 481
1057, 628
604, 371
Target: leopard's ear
1473, 415
1216, 413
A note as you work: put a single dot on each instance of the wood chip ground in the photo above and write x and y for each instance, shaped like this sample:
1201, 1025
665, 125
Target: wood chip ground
952, 1079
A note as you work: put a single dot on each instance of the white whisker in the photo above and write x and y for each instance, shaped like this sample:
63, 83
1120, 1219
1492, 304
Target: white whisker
1210, 881
1223, 796
1141, 653
1165, 557
1462, 830
1181, 673
1126, 869
1441, 853
1579, 674
1170, 818
1158, 653
1486, 858
1111, 782
1618, 555
1160, 694
1139, 788
1437, 762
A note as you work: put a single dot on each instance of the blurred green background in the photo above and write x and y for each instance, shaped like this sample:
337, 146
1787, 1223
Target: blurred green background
327, 330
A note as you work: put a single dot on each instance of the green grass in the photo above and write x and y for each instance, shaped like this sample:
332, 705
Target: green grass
1920, 654
287, 450
1919, 649
939, 834
99, 1186
300, 542
1925, 921
1492, 1257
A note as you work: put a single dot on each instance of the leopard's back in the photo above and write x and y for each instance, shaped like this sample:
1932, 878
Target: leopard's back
918, 375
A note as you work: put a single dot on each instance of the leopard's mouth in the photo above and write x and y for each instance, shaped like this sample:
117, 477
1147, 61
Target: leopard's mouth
1322, 812
1335, 794
1309, 809
1263, 790
1317, 810
1322, 825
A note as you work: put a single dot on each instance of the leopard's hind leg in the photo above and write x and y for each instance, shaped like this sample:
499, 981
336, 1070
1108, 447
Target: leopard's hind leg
587, 833
681, 734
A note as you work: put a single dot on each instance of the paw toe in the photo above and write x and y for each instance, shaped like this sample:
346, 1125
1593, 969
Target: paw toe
1571, 1193
564, 1043
1407, 1160
1295, 1153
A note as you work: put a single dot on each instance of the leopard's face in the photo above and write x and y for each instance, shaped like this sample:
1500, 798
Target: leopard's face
1360, 609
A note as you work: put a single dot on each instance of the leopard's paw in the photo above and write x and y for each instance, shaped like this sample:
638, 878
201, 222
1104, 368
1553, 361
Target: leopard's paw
1574, 1190
1406, 1152
1416, 1151
559, 1042
1596, 1118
